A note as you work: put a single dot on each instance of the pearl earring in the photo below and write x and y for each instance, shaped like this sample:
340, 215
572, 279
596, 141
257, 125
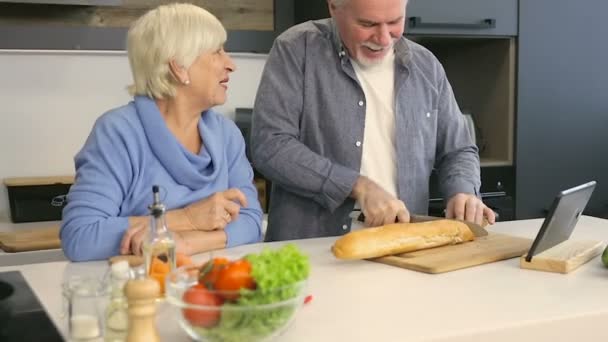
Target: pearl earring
186, 82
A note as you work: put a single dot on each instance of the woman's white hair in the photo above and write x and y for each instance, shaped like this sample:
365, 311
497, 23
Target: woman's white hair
181, 32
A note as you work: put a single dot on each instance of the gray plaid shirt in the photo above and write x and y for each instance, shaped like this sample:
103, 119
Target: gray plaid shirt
308, 124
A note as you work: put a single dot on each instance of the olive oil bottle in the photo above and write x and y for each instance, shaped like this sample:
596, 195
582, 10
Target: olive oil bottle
159, 245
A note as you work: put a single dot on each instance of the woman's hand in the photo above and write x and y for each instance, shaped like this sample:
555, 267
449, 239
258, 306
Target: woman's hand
216, 211
134, 237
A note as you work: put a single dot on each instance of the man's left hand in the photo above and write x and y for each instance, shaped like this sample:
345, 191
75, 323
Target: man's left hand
468, 207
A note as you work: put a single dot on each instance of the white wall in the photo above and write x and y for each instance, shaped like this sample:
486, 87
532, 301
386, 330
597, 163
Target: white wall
50, 100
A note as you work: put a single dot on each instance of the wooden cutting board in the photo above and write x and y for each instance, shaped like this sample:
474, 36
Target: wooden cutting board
486, 249
30, 240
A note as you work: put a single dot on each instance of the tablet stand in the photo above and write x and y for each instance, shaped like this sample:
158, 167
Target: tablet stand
564, 257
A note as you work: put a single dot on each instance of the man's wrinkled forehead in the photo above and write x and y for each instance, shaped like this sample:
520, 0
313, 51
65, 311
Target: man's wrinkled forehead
339, 3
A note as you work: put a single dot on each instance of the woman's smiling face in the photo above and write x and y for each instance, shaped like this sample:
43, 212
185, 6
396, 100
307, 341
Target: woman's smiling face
209, 78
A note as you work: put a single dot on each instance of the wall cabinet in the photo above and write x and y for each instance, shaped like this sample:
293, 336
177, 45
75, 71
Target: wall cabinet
462, 17
440, 17
562, 115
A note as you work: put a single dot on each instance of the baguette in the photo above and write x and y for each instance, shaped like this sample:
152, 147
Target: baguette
400, 238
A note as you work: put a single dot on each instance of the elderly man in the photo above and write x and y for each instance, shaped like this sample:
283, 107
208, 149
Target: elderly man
349, 115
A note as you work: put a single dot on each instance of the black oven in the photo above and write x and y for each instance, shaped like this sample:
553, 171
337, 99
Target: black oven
497, 192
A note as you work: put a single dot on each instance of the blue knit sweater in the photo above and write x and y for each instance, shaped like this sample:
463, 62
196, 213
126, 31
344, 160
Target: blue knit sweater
130, 149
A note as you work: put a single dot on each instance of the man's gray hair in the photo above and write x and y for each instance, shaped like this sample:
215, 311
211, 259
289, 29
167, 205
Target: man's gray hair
338, 3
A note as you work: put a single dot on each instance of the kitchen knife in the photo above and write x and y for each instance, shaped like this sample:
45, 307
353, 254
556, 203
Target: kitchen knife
478, 230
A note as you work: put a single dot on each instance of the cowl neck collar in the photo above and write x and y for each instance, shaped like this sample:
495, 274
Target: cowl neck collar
186, 168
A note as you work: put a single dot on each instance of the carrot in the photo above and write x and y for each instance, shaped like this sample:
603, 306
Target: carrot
182, 259
159, 266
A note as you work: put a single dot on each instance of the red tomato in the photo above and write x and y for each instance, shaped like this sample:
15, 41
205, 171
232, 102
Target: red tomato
235, 276
205, 318
210, 271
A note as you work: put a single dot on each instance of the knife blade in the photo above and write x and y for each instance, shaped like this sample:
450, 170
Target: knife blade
478, 230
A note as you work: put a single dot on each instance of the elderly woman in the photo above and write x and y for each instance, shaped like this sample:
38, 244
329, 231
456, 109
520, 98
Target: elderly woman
168, 135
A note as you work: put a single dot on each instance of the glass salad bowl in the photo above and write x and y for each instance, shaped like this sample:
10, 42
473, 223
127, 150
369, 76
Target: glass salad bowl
258, 312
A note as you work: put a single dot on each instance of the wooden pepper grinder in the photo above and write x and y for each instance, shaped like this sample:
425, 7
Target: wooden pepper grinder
141, 295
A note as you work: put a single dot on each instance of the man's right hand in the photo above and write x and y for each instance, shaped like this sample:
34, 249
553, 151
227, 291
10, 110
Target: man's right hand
378, 206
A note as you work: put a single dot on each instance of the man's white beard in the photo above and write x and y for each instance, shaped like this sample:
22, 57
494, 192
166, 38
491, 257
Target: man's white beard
367, 62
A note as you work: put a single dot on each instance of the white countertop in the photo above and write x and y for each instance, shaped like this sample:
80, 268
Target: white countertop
366, 301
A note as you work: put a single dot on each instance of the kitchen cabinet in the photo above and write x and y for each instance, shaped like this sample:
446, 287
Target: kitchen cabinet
305, 10
482, 73
562, 110
440, 17
462, 17
70, 2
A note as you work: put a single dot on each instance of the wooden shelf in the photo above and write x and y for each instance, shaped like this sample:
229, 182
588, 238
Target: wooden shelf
257, 15
486, 162
33, 181
482, 74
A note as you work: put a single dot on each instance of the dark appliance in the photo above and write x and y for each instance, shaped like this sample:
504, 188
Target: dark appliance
22, 317
497, 189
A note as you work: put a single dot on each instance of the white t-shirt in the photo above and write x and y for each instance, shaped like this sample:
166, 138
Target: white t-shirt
378, 161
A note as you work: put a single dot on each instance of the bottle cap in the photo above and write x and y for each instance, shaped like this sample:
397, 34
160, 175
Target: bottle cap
157, 208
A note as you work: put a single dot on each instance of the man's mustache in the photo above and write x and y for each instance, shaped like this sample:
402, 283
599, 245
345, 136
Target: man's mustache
375, 46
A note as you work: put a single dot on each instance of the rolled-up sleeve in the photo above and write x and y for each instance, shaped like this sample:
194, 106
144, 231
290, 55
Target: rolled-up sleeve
457, 154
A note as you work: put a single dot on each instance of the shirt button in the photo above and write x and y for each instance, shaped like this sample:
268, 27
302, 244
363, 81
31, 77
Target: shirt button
344, 227
360, 103
428, 115
358, 143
